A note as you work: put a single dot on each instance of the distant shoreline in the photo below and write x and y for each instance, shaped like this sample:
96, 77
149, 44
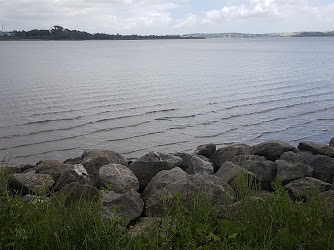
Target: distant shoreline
65, 40
63, 34
147, 39
58, 33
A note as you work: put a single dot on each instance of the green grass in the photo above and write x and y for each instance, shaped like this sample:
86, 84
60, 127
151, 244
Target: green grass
275, 223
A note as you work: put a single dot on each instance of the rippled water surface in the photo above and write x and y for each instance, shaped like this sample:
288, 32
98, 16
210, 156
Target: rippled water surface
59, 98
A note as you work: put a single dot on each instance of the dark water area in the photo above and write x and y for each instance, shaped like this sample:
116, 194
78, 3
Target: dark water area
59, 98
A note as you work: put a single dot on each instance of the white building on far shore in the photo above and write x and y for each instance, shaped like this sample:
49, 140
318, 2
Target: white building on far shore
6, 33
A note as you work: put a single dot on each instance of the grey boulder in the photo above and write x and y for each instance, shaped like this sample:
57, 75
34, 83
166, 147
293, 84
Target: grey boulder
323, 166
227, 154
76, 192
146, 167
93, 165
120, 176
301, 188
130, 205
185, 165
51, 167
11, 169
34, 199
199, 166
206, 149
167, 183
328, 198
287, 171
76, 173
331, 143
264, 170
31, 182
229, 172
112, 156
317, 148
272, 150
243, 160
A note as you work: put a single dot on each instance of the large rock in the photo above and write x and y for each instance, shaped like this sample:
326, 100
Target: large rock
77, 173
227, 154
193, 164
295, 156
168, 183
287, 171
146, 167
323, 166
34, 199
128, 204
206, 150
199, 166
331, 143
262, 194
145, 225
3, 185
31, 182
112, 156
76, 192
74, 161
229, 171
328, 199
272, 150
301, 188
317, 148
120, 176
264, 170
93, 160
51, 167
93, 165
243, 160
185, 165
324, 195
163, 179
11, 169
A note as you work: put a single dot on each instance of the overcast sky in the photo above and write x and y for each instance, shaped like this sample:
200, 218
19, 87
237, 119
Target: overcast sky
169, 16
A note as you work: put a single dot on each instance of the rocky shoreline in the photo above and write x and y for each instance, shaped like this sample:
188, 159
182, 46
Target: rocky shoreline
138, 188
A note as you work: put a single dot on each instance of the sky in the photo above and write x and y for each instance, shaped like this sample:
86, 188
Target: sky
144, 17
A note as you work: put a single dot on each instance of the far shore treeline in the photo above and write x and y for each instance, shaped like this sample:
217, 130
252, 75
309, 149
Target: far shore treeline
60, 33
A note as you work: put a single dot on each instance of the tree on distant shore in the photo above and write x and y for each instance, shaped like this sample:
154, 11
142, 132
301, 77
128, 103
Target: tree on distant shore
59, 33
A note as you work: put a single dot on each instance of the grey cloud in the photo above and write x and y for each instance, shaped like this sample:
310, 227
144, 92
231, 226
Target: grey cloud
291, 13
111, 15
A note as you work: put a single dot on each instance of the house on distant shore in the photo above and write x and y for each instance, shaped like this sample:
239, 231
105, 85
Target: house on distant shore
6, 33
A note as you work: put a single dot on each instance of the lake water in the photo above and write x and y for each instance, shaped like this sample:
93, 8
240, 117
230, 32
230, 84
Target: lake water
59, 98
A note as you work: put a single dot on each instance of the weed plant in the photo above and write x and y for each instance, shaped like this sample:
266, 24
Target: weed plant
251, 223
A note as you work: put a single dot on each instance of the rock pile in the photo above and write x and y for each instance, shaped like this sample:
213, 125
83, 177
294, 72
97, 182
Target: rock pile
140, 188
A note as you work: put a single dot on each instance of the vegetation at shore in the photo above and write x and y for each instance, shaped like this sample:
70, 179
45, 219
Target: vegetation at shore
276, 222
60, 33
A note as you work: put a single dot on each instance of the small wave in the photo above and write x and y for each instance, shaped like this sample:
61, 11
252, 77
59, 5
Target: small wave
47, 152
120, 127
159, 111
216, 135
177, 117
42, 142
181, 127
155, 146
135, 136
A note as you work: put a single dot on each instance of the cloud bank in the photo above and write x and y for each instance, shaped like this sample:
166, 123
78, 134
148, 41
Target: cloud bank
169, 16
